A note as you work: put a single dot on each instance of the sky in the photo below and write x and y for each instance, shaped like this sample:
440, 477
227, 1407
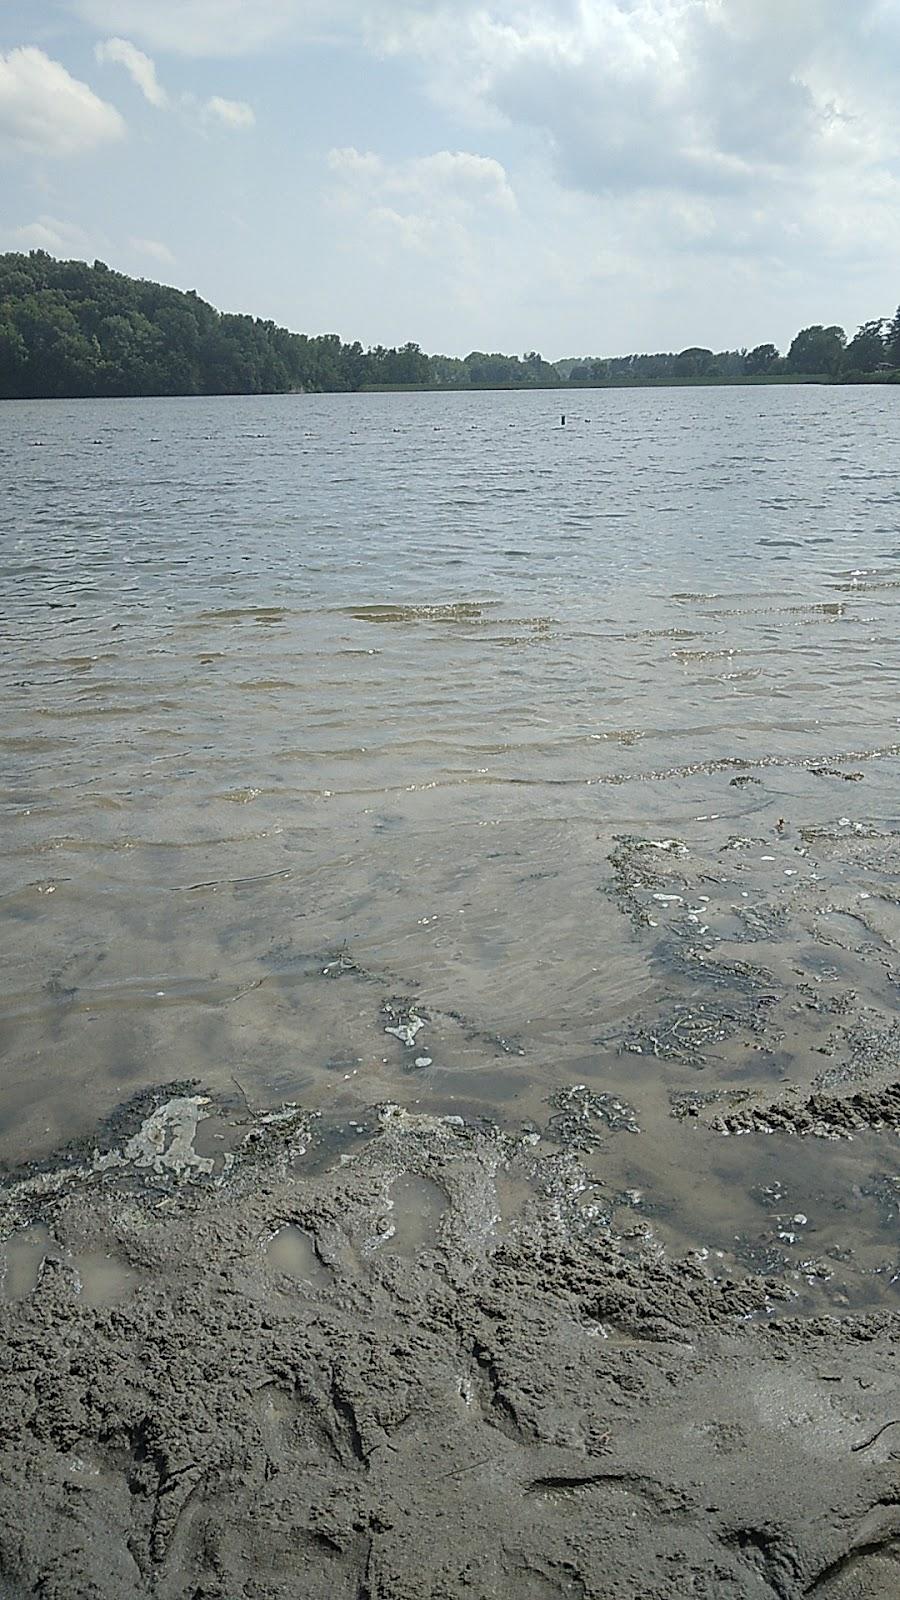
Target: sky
572, 176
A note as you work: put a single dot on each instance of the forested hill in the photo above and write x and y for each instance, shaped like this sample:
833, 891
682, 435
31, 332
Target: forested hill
71, 330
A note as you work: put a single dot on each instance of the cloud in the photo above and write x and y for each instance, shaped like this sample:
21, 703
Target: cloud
672, 170
703, 95
714, 147
233, 113
49, 233
218, 28
451, 180
45, 111
140, 66
708, 96
208, 27
454, 210
155, 249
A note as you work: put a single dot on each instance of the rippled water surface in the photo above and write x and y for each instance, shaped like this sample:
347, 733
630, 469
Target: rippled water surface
314, 706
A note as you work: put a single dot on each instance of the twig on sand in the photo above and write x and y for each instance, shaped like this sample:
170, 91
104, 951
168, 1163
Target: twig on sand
243, 1094
894, 1423
457, 1472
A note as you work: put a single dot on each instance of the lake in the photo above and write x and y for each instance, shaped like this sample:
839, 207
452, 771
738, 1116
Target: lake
577, 745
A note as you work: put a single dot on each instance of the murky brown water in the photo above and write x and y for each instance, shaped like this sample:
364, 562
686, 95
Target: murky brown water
319, 706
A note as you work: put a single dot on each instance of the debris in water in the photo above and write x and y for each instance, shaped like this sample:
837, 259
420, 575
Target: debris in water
579, 1114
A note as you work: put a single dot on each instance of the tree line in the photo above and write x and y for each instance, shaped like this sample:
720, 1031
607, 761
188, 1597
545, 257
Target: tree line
816, 352
70, 330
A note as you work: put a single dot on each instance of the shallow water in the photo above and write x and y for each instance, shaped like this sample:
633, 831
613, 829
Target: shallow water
96, 1276
315, 704
291, 1253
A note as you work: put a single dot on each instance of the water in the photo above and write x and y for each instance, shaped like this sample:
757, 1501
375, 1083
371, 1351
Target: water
368, 686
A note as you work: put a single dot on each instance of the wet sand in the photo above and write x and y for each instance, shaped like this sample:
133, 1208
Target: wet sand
427, 1367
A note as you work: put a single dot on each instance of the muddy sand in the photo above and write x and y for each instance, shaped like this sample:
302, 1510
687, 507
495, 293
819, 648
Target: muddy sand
247, 1355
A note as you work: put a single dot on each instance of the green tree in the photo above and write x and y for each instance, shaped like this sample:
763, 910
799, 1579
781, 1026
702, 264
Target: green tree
448, 371
866, 350
13, 360
593, 371
892, 341
61, 359
67, 328
695, 363
817, 350
761, 360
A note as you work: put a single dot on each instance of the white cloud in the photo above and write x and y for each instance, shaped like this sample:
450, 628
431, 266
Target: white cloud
675, 171
454, 210
208, 27
234, 113
45, 111
477, 180
239, 27
155, 249
713, 150
135, 62
705, 95
49, 233
451, 179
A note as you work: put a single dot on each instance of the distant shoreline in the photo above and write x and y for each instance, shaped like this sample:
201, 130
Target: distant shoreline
70, 331
603, 383
886, 380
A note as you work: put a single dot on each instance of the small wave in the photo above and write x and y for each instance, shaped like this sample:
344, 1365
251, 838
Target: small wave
703, 655
459, 611
246, 614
